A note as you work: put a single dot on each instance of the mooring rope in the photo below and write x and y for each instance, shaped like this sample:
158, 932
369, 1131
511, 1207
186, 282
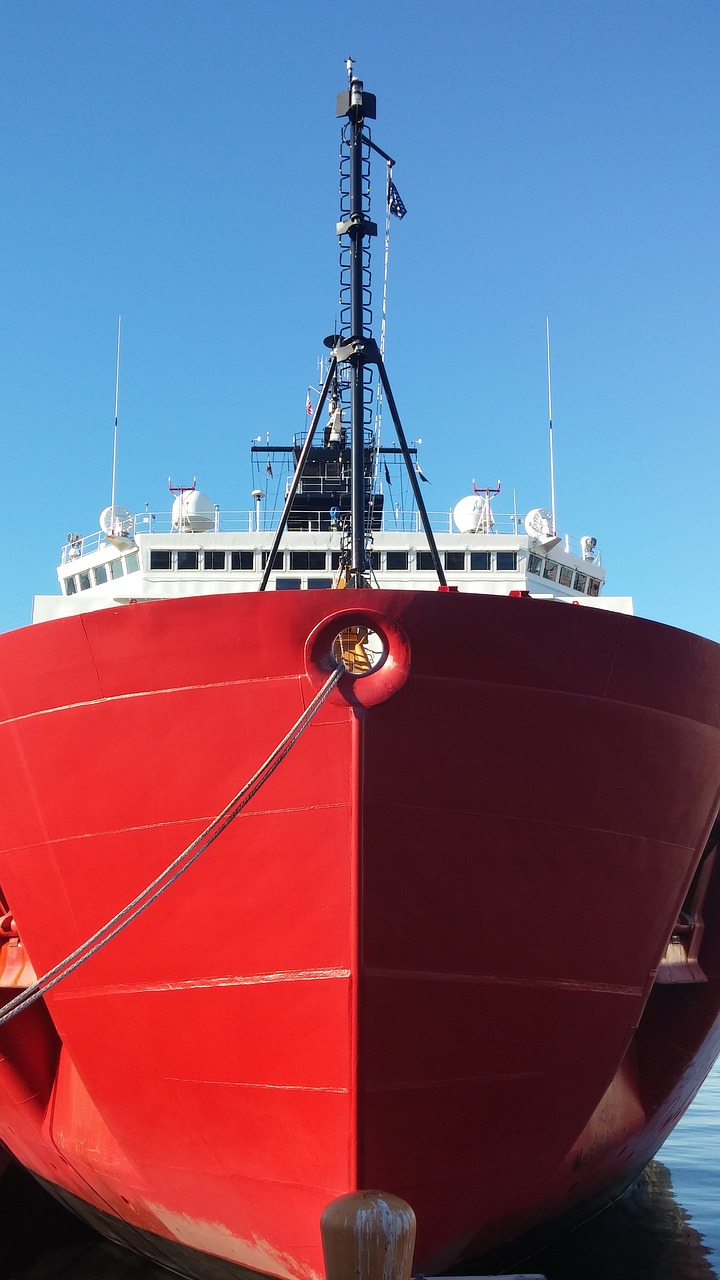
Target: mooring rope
177, 867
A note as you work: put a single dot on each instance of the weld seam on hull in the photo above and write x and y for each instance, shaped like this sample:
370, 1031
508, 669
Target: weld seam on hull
491, 979
152, 693
203, 984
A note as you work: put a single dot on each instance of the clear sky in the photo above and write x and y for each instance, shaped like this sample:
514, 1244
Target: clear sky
175, 161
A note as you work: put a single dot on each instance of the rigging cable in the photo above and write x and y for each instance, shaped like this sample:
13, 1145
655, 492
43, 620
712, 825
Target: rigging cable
178, 866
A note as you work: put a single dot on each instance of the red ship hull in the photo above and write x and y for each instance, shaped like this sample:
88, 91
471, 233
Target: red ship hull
424, 959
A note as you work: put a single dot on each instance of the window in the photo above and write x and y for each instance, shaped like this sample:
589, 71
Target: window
70, 587
550, 570
424, 561
580, 581
278, 563
288, 584
100, 574
187, 559
506, 561
158, 560
534, 563
455, 560
116, 567
375, 560
566, 575
84, 581
132, 562
307, 559
335, 560
319, 584
213, 559
480, 560
242, 560
593, 587
397, 560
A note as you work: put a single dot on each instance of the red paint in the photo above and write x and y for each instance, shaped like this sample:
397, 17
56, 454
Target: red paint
422, 959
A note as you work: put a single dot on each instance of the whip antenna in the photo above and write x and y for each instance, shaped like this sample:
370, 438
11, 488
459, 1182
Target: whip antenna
552, 454
115, 428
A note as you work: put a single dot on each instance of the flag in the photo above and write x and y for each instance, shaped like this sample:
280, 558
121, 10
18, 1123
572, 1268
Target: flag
308, 405
395, 204
268, 469
387, 475
422, 477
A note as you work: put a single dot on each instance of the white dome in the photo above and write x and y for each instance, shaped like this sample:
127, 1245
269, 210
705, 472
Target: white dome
473, 513
192, 512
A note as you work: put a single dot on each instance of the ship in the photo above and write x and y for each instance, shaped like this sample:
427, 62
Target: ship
349, 847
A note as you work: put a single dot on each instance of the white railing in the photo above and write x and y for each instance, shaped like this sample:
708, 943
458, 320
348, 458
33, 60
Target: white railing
392, 520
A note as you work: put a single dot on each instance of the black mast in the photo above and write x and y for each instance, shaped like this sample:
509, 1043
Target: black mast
358, 348
358, 106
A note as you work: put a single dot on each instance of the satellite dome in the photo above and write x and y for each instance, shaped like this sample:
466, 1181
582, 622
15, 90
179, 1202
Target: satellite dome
192, 512
472, 514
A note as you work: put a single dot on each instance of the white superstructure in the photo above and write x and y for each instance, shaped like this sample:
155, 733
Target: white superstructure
198, 550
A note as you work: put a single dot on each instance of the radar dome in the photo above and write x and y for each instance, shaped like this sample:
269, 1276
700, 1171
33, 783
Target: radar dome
193, 512
472, 514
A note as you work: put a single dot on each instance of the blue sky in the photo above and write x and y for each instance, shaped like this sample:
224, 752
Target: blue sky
176, 163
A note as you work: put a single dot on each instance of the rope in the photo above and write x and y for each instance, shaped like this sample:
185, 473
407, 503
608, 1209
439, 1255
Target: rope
177, 867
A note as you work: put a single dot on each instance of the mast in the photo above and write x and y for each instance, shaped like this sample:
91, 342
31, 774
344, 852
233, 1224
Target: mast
358, 348
358, 106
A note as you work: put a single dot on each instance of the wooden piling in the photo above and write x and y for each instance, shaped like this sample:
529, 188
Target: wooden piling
368, 1235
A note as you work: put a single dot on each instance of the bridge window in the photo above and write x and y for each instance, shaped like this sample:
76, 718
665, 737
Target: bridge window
319, 584
83, 581
158, 560
288, 584
480, 560
279, 561
132, 562
397, 560
455, 560
593, 587
535, 563
550, 570
566, 575
242, 560
580, 581
187, 559
506, 561
70, 586
307, 560
100, 574
116, 568
424, 561
213, 559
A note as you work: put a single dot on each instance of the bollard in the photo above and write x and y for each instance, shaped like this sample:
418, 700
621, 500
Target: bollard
368, 1235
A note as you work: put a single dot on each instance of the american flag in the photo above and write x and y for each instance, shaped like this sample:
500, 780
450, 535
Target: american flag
308, 405
395, 204
268, 469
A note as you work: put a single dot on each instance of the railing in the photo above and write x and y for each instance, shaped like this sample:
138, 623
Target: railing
392, 520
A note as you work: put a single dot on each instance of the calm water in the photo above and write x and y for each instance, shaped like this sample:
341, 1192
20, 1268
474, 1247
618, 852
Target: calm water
667, 1228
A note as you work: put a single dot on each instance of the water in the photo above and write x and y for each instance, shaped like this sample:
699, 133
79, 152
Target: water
666, 1228
691, 1153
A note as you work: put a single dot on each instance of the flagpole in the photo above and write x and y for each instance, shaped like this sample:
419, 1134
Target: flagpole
552, 454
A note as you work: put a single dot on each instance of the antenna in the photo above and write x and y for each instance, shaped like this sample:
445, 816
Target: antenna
115, 429
552, 455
